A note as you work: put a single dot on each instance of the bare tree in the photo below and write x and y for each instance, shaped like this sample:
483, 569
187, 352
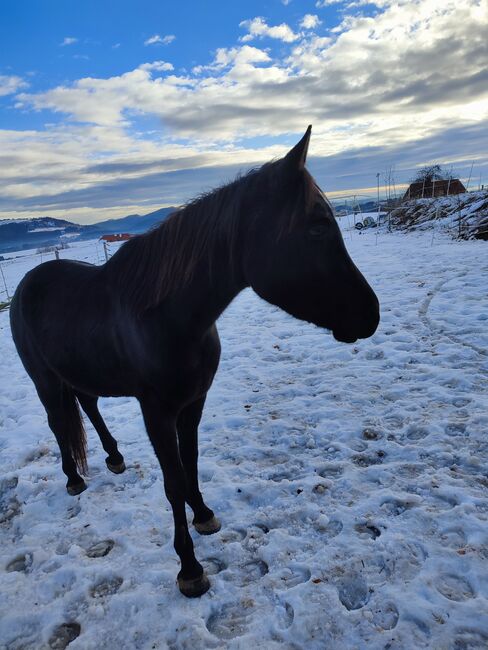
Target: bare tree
431, 173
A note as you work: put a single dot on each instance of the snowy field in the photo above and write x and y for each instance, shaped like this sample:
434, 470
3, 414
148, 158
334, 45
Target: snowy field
351, 482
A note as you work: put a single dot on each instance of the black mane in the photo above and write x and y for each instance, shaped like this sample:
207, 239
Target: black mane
151, 266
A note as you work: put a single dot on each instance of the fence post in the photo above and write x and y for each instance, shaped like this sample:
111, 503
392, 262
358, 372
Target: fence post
4, 283
105, 250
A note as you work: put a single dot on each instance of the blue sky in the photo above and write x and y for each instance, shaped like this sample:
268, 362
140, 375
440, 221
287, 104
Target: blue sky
109, 108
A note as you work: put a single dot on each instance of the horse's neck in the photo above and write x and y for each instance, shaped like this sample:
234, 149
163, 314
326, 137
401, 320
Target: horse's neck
209, 292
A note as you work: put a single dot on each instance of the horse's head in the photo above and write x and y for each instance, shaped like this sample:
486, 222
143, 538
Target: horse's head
295, 256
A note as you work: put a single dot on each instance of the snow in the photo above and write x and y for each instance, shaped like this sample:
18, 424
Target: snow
351, 482
464, 216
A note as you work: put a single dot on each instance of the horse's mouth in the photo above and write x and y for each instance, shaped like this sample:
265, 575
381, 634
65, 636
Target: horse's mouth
343, 337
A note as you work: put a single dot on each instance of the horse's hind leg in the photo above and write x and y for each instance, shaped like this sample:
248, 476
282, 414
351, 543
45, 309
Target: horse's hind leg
65, 422
114, 460
205, 521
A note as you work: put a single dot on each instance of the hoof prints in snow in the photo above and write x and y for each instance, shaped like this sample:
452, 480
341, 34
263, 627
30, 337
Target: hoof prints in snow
106, 587
231, 620
291, 577
252, 571
100, 549
368, 529
290, 479
454, 587
353, 592
9, 504
384, 616
213, 566
63, 635
20, 563
235, 619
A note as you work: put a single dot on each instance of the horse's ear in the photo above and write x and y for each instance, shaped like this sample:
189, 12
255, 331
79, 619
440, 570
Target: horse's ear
296, 157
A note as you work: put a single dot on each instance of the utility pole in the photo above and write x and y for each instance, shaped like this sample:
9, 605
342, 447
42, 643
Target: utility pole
378, 191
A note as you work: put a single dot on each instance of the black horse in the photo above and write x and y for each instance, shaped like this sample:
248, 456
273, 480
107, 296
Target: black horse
143, 324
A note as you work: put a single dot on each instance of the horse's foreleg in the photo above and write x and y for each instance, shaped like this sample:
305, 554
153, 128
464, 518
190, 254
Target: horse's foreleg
161, 429
189, 418
114, 460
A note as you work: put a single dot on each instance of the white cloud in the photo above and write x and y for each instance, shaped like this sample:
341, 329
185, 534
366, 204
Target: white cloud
10, 84
240, 55
414, 71
159, 66
160, 40
310, 21
258, 28
68, 40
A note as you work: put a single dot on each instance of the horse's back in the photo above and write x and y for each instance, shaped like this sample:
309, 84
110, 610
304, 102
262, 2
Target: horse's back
45, 300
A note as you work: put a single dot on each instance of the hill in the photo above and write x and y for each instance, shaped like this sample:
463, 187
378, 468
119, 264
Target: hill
21, 234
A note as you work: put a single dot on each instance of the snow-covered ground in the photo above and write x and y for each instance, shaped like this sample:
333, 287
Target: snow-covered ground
463, 216
351, 482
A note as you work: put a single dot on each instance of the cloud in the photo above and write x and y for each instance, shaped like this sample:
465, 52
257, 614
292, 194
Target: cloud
258, 28
412, 78
310, 21
10, 84
68, 40
160, 40
159, 66
320, 4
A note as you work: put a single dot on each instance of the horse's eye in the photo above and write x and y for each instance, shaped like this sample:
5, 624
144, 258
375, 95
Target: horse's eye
319, 229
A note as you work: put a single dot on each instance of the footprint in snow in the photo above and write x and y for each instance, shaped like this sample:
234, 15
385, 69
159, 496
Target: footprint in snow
292, 576
331, 470
393, 421
454, 587
106, 587
21, 563
366, 460
231, 620
453, 537
285, 614
9, 504
213, 565
384, 616
353, 591
396, 507
63, 635
407, 558
371, 433
455, 429
252, 571
460, 402
368, 529
417, 433
233, 535
333, 528
469, 639
100, 549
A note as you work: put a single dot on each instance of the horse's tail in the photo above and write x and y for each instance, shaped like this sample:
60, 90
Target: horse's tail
75, 431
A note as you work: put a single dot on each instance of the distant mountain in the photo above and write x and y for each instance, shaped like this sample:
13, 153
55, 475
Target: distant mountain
134, 223
21, 234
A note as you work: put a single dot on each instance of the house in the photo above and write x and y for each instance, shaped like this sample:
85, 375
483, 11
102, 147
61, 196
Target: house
124, 236
430, 188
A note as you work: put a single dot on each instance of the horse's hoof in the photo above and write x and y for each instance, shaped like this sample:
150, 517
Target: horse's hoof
73, 490
194, 587
207, 527
116, 469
